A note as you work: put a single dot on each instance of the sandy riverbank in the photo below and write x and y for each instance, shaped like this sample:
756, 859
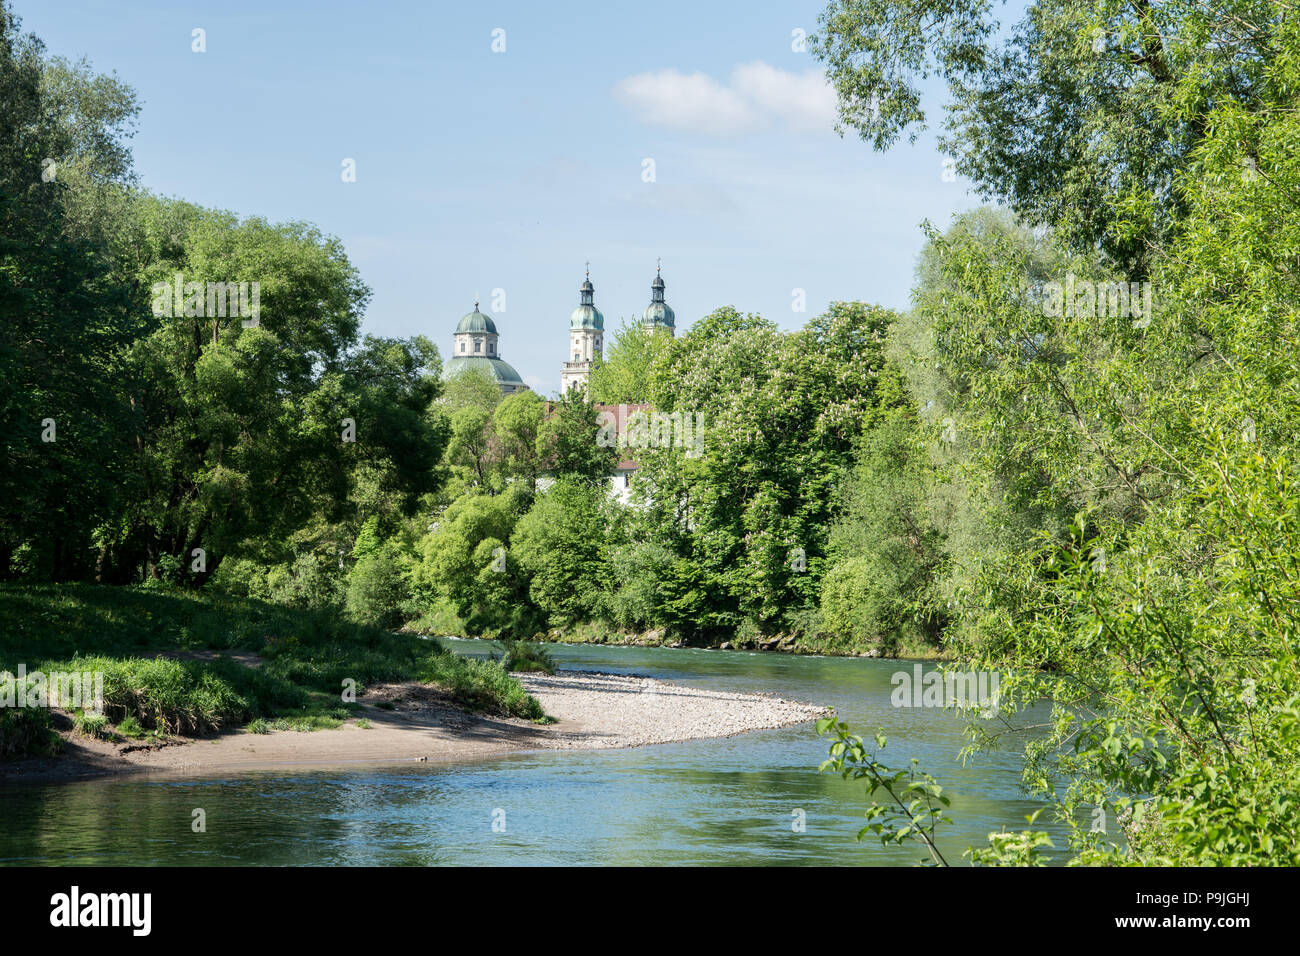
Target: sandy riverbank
593, 711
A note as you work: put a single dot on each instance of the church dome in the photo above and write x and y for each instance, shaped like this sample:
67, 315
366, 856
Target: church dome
478, 330
476, 321
586, 315
658, 313
501, 371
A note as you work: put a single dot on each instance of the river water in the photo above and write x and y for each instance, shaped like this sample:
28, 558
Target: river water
753, 799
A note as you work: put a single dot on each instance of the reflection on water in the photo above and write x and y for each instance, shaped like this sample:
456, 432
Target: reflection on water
727, 801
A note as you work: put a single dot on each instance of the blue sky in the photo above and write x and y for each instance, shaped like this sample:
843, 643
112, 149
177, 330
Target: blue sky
479, 170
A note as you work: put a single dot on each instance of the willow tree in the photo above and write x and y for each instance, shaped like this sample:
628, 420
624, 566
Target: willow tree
1078, 115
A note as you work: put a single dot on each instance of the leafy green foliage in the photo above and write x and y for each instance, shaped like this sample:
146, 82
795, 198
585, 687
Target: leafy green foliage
67, 317
149, 424
776, 418
517, 423
464, 561
559, 545
914, 804
567, 441
1108, 100
377, 591
1112, 493
628, 367
887, 543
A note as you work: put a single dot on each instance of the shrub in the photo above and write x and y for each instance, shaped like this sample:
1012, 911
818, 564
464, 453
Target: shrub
481, 685
522, 656
90, 724
376, 591
128, 726
26, 732
636, 571
177, 697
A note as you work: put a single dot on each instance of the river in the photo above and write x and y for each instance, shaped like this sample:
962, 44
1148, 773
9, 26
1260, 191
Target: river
753, 799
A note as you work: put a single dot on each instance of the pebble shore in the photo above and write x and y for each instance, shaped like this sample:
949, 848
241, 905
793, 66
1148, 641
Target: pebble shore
610, 710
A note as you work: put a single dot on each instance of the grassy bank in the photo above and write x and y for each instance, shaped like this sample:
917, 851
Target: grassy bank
185, 663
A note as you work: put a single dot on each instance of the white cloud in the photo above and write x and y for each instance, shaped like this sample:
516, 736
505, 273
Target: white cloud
804, 101
692, 102
757, 96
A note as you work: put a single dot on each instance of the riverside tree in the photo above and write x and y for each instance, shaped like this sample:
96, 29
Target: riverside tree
157, 438
1131, 477
68, 316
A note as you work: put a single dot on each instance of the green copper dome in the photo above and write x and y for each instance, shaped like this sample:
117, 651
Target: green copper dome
476, 321
503, 372
586, 315
658, 312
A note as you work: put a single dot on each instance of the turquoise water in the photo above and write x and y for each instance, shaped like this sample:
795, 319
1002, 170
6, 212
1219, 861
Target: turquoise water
723, 802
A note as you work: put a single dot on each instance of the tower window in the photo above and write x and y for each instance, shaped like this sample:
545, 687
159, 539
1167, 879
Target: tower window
491, 348
478, 345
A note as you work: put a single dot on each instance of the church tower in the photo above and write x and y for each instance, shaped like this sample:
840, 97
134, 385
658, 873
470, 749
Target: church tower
586, 338
658, 314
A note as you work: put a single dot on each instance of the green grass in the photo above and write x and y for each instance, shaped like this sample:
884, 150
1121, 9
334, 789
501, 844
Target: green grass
299, 723
520, 656
90, 725
440, 619
306, 656
480, 685
130, 727
26, 732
